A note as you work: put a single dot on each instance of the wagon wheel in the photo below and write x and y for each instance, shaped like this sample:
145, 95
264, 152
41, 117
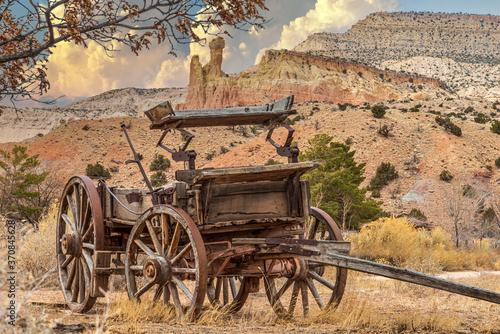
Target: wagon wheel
79, 232
229, 293
311, 281
166, 257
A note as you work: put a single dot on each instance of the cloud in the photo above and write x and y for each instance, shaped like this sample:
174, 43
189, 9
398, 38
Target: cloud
330, 16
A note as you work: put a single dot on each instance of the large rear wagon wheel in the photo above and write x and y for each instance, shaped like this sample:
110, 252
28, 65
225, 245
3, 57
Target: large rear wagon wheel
316, 286
166, 261
79, 231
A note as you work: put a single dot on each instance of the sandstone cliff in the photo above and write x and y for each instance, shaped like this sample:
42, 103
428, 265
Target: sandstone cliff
308, 77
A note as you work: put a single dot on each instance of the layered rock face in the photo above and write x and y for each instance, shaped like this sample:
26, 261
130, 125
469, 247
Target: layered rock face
308, 77
392, 36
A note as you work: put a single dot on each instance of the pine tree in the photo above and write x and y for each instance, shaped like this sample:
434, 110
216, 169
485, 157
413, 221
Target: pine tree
20, 181
335, 186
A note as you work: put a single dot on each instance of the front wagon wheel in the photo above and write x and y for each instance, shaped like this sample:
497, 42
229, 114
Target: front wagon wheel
166, 261
79, 229
317, 286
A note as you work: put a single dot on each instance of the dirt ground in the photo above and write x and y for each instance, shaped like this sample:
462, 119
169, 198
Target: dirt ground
369, 306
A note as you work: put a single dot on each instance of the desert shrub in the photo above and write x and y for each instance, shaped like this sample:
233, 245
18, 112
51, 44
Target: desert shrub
344, 71
481, 118
160, 163
376, 193
495, 105
385, 130
86, 127
273, 162
445, 176
398, 242
417, 214
211, 155
497, 162
140, 156
360, 74
469, 109
343, 106
158, 179
378, 111
97, 170
456, 130
223, 150
385, 173
447, 124
495, 127
414, 109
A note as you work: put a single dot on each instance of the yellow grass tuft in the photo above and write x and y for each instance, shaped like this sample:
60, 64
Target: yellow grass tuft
397, 242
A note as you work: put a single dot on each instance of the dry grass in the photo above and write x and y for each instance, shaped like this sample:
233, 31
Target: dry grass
398, 242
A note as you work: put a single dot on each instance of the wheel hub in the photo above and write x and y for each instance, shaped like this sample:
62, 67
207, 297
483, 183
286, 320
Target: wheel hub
71, 244
158, 270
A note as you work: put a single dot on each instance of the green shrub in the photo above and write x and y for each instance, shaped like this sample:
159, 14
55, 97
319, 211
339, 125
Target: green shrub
343, 106
481, 118
273, 162
456, 130
376, 193
469, 109
414, 109
86, 127
497, 162
495, 127
158, 179
417, 214
97, 170
446, 176
360, 74
385, 173
449, 126
160, 163
378, 111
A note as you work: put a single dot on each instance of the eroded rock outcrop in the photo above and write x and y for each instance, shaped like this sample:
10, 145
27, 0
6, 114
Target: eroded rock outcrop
308, 77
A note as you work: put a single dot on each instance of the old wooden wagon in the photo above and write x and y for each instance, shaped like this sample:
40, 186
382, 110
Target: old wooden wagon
214, 234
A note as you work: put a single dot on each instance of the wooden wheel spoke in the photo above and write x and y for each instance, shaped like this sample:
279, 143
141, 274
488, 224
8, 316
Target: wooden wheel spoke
158, 293
183, 271
164, 232
305, 297
78, 206
218, 287
283, 289
315, 293
175, 298
166, 295
320, 279
145, 248
72, 207
232, 284
183, 252
225, 290
154, 238
85, 216
175, 240
88, 233
82, 282
67, 261
314, 229
183, 287
68, 222
71, 276
88, 246
145, 288
294, 297
137, 268
76, 282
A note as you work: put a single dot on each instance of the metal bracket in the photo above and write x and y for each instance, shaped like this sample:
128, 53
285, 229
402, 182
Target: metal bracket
292, 152
134, 198
182, 154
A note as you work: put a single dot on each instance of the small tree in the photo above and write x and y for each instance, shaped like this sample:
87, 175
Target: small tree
20, 181
335, 186
158, 179
495, 127
160, 163
378, 111
97, 170
385, 173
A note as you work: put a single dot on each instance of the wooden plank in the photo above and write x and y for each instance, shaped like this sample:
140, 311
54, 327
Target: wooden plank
266, 114
251, 225
305, 198
139, 207
248, 206
245, 174
405, 275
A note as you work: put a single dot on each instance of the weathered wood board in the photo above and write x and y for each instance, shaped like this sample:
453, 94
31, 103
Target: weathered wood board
245, 174
266, 115
113, 209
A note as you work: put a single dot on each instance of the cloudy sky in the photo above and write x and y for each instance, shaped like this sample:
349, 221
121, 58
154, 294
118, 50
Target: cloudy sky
78, 72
